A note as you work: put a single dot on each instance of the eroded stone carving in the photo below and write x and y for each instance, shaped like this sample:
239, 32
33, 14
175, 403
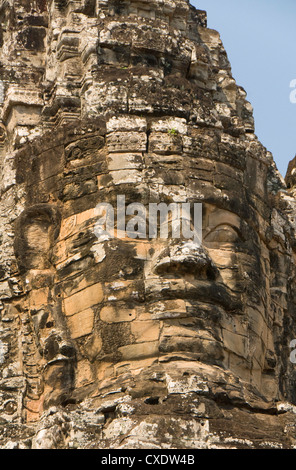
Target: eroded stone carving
143, 342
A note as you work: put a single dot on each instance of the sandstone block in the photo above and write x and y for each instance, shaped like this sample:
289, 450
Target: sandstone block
127, 142
83, 374
84, 299
145, 330
139, 351
164, 143
117, 314
81, 324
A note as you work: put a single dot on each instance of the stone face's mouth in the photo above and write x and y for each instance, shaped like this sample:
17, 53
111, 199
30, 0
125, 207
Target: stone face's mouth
207, 292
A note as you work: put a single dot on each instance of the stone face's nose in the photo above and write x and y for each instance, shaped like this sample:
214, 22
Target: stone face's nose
186, 258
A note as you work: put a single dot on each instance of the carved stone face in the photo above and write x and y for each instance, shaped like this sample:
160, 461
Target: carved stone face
164, 300
120, 306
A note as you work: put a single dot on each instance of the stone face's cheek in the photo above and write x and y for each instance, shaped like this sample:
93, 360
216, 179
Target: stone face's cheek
100, 314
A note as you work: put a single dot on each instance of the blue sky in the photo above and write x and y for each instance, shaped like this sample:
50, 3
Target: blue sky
260, 39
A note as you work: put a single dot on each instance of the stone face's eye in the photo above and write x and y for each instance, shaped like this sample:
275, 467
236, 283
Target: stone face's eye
222, 234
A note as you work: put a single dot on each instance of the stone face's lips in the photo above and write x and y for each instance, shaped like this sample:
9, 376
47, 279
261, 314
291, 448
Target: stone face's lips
207, 292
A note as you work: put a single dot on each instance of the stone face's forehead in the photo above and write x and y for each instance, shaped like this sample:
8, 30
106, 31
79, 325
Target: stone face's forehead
160, 154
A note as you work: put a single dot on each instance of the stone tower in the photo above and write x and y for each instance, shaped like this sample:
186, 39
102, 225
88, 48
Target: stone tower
138, 342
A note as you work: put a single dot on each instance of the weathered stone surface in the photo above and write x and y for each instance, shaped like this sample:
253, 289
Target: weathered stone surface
138, 343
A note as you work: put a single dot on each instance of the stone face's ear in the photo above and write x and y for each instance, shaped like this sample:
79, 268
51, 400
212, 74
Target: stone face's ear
288, 202
291, 174
36, 229
3, 133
